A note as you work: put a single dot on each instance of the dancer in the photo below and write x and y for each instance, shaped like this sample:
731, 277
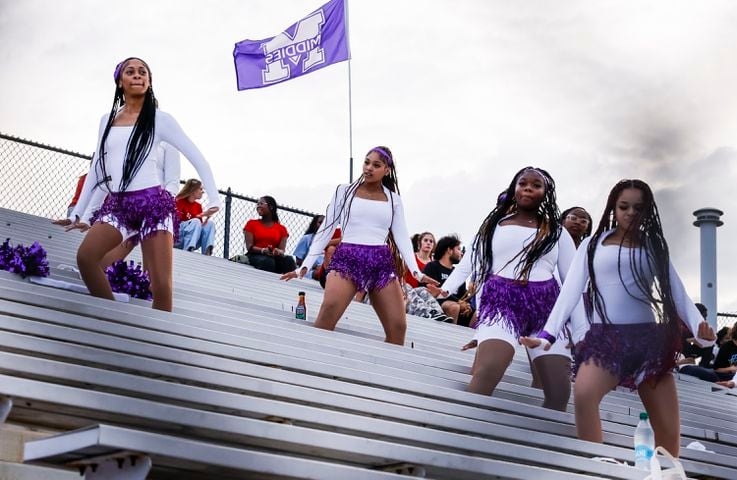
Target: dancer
515, 253
375, 242
635, 304
137, 207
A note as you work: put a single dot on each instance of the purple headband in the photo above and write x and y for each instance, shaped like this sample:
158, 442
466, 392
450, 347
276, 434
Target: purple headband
389, 159
117, 70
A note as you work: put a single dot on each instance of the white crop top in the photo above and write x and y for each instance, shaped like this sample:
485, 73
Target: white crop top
168, 172
167, 130
367, 223
625, 303
507, 243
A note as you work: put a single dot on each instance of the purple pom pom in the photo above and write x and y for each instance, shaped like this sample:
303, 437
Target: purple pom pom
129, 278
25, 261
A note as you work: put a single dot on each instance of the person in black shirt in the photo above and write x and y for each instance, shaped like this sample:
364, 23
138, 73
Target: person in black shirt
448, 254
725, 364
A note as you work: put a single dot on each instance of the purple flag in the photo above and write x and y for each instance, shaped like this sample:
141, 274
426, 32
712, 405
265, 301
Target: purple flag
318, 40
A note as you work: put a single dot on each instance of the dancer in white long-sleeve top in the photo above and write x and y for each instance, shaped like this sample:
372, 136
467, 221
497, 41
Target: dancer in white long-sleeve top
138, 208
519, 246
374, 247
636, 304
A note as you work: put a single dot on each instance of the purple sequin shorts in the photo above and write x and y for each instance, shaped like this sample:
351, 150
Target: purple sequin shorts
522, 308
369, 267
633, 352
140, 213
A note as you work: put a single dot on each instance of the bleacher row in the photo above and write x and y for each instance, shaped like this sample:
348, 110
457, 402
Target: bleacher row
231, 385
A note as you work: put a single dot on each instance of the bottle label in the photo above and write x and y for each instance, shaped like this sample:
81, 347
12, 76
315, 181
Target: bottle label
643, 452
300, 313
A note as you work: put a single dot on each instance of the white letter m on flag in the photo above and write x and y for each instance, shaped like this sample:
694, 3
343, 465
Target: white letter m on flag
305, 46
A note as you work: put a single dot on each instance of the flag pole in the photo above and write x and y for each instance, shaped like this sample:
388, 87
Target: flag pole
350, 126
350, 97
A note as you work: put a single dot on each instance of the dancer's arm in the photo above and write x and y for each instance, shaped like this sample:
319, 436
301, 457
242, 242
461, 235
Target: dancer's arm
688, 312
170, 132
172, 169
570, 294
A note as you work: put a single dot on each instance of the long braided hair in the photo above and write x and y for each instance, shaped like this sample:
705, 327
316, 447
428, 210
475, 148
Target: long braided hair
545, 239
391, 182
141, 139
647, 233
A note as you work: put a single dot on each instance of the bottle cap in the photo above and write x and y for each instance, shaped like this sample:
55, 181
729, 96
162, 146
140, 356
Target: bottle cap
301, 293
643, 415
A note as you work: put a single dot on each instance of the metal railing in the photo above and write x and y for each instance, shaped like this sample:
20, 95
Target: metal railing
40, 180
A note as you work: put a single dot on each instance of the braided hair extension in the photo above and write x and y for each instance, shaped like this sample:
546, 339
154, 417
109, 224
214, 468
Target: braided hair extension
545, 239
648, 236
142, 138
391, 182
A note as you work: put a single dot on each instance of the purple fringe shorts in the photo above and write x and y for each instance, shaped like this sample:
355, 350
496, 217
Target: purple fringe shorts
522, 308
140, 213
633, 352
369, 267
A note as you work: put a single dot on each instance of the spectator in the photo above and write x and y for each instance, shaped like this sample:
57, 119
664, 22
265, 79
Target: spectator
725, 365
320, 272
303, 246
425, 246
77, 192
266, 239
195, 229
448, 254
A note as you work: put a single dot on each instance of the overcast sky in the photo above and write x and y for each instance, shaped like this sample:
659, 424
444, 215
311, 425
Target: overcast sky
464, 92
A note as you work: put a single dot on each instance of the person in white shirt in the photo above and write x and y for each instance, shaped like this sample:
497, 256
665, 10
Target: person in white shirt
371, 214
137, 208
519, 247
635, 304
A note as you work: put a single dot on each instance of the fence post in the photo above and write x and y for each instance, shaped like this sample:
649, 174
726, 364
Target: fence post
226, 236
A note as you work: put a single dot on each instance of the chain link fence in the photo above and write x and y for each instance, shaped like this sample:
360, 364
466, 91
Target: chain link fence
40, 180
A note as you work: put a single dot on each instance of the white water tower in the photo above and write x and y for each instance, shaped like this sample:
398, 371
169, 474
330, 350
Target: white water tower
707, 219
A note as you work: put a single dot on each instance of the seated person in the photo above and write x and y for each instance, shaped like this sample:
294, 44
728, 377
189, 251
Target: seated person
303, 246
710, 373
425, 245
321, 272
725, 364
196, 229
692, 351
266, 239
448, 254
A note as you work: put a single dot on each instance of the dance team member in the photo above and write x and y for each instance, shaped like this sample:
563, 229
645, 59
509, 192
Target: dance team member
137, 207
374, 247
518, 247
635, 304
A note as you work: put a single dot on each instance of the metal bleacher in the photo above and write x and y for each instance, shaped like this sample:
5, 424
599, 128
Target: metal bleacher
231, 385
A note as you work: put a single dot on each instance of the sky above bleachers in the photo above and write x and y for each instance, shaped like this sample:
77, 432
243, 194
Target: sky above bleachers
464, 92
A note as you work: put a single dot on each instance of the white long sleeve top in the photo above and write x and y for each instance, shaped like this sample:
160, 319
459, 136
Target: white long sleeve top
625, 303
367, 223
167, 130
508, 242
168, 170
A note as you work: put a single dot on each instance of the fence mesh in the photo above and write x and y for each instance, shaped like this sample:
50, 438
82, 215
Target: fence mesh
40, 180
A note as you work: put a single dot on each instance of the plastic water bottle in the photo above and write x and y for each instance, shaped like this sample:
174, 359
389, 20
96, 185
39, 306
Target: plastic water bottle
300, 313
644, 443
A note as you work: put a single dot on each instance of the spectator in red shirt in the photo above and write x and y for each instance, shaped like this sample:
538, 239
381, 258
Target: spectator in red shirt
423, 255
266, 239
195, 230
